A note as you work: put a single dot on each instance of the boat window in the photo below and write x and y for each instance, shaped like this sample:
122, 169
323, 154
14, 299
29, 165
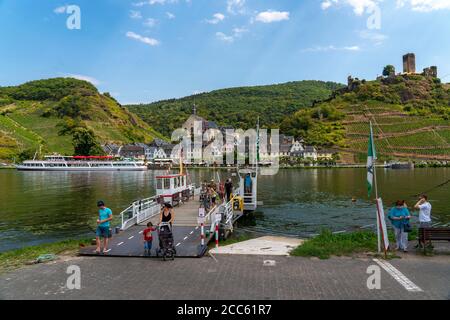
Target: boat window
166, 183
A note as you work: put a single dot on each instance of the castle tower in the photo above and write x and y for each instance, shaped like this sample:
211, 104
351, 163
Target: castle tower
409, 63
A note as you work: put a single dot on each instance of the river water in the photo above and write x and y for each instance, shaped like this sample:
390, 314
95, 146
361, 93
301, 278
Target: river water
40, 207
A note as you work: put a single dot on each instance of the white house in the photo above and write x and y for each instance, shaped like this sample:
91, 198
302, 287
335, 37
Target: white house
297, 146
310, 153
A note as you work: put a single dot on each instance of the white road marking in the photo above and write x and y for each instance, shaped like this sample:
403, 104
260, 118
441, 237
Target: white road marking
141, 231
397, 275
130, 237
185, 238
108, 250
212, 256
120, 243
196, 228
177, 244
191, 232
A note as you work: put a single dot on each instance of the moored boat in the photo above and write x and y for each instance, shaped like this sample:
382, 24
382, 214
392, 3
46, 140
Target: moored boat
81, 163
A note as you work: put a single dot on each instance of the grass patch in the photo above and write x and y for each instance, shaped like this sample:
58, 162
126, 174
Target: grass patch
327, 244
14, 259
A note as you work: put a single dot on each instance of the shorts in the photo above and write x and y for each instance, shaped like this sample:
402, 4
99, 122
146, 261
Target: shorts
103, 232
425, 225
148, 244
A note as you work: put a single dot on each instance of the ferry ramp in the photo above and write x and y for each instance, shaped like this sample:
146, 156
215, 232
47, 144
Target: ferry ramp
186, 230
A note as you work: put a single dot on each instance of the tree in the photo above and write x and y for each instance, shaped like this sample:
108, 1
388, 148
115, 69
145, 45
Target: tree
388, 70
85, 144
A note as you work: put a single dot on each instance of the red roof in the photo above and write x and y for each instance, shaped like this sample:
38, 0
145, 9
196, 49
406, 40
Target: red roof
171, 176
92, 157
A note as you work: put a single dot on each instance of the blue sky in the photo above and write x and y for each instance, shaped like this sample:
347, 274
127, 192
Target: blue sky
147, 50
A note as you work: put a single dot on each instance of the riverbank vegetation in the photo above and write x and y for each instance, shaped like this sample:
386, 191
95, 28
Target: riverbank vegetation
17, 258
328, 244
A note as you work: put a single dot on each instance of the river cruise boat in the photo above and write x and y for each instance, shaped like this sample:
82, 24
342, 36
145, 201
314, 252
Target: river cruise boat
82, 163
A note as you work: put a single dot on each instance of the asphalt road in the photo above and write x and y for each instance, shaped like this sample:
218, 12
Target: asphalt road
232, 277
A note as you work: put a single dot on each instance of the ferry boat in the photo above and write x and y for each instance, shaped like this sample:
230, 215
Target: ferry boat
82, 163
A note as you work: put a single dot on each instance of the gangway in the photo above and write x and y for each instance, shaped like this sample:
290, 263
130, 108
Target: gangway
192, 233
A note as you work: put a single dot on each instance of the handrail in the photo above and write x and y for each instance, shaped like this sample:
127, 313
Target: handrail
226, 209
139, 211
144, 209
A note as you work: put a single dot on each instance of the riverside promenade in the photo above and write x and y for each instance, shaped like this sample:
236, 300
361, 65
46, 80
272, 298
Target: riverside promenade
225, 276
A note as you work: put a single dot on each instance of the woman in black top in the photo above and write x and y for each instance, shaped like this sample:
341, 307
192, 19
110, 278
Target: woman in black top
167, 215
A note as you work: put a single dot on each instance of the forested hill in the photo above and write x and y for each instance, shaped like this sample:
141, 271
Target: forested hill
49, 114
236, 107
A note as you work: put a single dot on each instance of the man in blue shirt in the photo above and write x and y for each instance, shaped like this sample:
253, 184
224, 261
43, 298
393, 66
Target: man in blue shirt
103, 224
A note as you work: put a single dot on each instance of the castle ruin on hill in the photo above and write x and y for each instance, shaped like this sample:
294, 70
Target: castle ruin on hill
409, 66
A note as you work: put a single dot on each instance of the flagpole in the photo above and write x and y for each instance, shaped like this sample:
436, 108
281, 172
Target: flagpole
380, 233
374, 162
257, 146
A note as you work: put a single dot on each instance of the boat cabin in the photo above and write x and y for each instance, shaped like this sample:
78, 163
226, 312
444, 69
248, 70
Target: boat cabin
248, 179
171, 188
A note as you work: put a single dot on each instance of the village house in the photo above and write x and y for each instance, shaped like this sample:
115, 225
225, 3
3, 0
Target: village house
325, 154
111, 149
310, 153
132, 151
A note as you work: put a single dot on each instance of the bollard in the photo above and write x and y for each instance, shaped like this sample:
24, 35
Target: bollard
217, 235
202, 234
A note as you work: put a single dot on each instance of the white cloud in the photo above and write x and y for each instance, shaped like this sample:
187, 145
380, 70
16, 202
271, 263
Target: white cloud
216, 18
150, 22
60, 10
236, 6
425, 5
146, 40
326, 4
222, 36
170, 15
92, 80
375, 37
236, 33
272, 16
135, 14
359, 6
331, 48
153, 2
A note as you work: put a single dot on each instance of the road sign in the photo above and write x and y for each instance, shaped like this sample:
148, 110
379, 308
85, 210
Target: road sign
201, 212
200, 220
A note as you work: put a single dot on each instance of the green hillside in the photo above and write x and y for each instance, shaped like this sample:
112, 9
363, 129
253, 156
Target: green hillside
236, 107
410, 115
45, 114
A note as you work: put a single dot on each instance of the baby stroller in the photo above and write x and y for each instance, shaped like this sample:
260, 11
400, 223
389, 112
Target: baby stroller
166, 248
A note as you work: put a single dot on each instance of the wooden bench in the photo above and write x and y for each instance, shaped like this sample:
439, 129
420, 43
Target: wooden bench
433, 234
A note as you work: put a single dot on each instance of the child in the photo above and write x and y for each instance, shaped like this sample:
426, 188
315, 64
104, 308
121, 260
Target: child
148, 238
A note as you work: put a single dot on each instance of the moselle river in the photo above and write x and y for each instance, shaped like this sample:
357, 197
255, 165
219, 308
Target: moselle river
39, 207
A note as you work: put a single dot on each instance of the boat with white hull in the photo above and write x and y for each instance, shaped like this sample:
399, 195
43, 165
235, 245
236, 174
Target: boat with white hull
82, 163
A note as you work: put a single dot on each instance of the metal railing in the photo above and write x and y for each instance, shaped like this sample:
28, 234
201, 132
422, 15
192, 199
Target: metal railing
225, 210
139, 211
144, 209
